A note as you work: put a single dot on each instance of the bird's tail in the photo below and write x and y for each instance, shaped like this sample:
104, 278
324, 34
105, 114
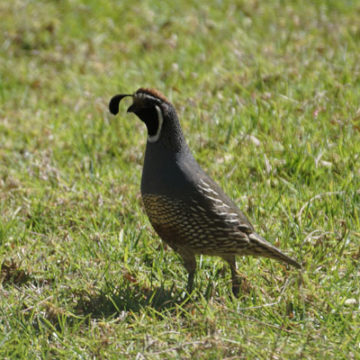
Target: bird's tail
260, 247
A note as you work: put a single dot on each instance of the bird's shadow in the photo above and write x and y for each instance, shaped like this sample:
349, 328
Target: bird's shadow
112, 300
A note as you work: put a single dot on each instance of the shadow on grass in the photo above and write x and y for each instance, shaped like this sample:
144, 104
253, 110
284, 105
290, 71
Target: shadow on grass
131, 297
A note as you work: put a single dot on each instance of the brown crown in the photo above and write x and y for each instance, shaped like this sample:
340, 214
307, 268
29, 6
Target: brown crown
153, 92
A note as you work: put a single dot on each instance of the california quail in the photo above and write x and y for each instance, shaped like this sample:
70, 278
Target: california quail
188, 210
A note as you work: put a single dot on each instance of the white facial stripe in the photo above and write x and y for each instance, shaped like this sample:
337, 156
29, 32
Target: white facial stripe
142, 96
155, 137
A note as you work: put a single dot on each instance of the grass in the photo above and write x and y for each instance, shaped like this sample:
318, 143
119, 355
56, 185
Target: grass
268, 94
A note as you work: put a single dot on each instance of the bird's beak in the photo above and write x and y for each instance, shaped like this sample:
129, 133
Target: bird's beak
132, 108
115, 101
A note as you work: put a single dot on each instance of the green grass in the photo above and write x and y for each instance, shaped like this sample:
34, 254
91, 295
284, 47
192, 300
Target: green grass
269, 99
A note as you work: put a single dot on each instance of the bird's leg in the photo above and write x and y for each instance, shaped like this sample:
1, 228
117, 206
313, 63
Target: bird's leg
190, 266
190, 283
234, 275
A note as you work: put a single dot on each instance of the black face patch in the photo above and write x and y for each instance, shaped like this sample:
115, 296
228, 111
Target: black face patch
150, 117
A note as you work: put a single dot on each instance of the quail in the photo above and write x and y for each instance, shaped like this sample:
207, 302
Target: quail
187, 209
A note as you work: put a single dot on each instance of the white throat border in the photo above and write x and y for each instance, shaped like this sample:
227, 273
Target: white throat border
155, 138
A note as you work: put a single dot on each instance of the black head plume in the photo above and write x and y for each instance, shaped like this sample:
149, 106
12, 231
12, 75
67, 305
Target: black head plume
115, 101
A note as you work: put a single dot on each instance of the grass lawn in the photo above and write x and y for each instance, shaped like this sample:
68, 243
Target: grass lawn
268, 93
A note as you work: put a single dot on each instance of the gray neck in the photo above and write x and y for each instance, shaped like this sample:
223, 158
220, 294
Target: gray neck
165, 157
163, 167
172, 138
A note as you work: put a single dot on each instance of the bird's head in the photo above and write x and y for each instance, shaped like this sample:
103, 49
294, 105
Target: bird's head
150, 106
158, 114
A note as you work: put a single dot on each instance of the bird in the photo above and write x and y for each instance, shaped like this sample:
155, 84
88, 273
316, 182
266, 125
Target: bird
186, 207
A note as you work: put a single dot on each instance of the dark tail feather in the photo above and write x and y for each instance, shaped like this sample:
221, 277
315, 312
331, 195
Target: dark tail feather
278, 255
263, 248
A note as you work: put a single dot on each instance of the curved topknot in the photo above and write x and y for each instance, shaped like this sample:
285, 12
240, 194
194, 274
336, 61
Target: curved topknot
153, 92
